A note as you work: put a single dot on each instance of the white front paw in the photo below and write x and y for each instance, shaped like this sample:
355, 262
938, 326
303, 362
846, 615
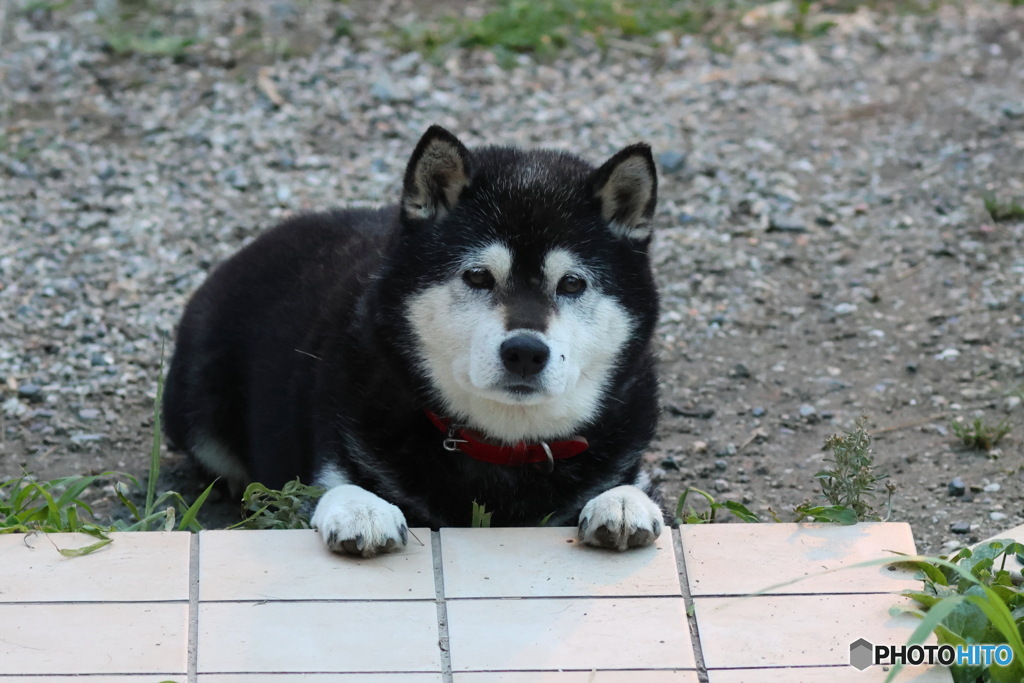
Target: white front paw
353, 520
622, 517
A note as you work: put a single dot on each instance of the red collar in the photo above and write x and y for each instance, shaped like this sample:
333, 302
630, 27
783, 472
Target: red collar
522, 453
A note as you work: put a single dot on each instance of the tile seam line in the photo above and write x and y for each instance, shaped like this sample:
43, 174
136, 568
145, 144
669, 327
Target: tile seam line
264, 601
193, 609
640, 669
700, 596
43, 677
567, 596
691, 612
180, 601
444, 642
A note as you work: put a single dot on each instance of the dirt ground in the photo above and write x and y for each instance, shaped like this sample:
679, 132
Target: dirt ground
823, 252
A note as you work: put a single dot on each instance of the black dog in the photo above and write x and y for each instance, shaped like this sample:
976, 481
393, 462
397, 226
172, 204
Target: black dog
485, 340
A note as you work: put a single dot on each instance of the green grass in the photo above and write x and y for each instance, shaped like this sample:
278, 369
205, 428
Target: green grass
849, 487
545, 27
1003, 210
968, 599
979, 434
151, 42
481, 518
689, 515
144, 28
287, 508
58, 505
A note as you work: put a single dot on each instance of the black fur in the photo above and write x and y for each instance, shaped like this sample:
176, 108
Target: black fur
297, 351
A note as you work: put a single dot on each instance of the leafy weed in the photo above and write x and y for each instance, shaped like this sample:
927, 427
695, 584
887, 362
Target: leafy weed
979, 434
1003, 210
965, 600
287, 508
850, 484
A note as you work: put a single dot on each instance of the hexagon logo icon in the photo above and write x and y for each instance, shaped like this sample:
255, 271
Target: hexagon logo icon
860, 654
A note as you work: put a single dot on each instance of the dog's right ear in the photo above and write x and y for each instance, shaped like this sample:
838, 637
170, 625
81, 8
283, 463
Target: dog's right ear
437, 173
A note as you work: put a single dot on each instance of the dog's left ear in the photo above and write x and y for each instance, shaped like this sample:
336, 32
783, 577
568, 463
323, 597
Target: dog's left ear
627, 188
437, 173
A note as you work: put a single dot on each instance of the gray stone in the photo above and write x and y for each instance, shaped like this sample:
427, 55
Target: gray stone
31, 392
956, 487
740, 371
785, 223
672, 161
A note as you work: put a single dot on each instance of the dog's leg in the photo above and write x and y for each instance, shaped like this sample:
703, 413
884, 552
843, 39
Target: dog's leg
622, 517
352, 520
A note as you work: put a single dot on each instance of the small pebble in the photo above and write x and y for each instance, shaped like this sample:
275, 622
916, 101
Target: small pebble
957, 487
758, 411
991, 488
672, 161
31, 392
740, 371
786, 223
997, 516
960, 527
844, 308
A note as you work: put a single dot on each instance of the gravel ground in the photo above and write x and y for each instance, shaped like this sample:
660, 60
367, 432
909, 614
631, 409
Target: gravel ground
822, 246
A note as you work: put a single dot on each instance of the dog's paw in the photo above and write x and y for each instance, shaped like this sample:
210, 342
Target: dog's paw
622, 517
354, 521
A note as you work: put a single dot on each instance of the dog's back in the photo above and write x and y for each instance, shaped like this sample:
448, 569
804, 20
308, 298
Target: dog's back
246, 324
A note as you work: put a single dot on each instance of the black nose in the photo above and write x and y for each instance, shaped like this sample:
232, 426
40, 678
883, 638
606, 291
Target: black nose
524, 355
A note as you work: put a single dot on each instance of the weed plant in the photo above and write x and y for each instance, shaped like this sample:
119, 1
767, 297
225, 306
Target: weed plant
967, 600
979, 434
287, 508
1003, 210
850, 485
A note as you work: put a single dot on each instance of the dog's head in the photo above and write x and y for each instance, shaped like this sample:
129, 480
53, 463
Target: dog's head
527, 284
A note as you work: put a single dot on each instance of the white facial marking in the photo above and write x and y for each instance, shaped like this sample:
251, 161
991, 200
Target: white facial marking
461, 330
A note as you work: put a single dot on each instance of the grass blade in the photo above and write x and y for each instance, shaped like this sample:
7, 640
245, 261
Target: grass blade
78, 552
188, 520
154, 451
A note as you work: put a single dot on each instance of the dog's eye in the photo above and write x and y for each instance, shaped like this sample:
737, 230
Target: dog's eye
571, 285
479, 278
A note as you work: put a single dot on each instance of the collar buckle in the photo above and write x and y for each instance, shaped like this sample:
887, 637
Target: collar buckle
451, 442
